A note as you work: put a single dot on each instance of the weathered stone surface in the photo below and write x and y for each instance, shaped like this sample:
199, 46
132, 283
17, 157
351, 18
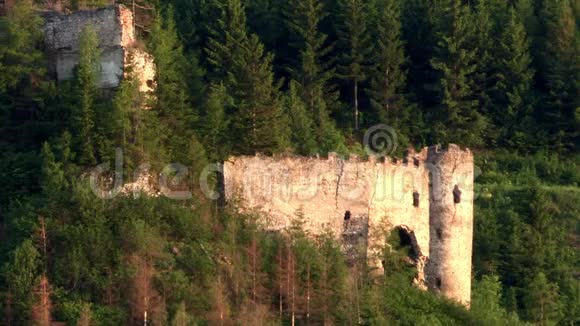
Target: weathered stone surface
115, 30
324, 189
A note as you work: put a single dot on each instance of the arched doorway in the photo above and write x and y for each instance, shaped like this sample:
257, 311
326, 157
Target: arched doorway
403, 256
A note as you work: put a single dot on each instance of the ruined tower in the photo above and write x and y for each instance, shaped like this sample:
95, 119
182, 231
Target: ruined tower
451, 222
117, 45
416, 196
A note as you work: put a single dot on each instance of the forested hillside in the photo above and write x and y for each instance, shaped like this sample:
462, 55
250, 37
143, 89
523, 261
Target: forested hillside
300, 77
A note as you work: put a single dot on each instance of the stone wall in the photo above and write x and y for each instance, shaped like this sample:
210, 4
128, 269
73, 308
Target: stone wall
115, 30
377, 191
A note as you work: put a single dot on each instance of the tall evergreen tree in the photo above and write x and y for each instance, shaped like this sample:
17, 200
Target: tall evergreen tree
314, 70
173, 104
457, 118
355, 48
258, 121
388, 76
511, 93
86, 94
301, 125
541, 301
216, 123
561, 75
226, 38
259, 117
483, 41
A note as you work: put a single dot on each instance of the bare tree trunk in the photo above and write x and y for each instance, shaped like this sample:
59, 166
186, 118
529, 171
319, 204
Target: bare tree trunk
355, 104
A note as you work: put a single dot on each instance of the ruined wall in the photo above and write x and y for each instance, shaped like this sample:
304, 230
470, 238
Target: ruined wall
380, 190
115, 30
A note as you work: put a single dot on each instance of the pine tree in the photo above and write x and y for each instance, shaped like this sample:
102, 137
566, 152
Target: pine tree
20, 59
173, 105
226, 38
301, 125
259, 117
314, 70
53, 175
21, 274
388, 76
457, 118
216, 123
258, 121
483, 41
561, 75
355, 48
541, 301
86, 93
512, 84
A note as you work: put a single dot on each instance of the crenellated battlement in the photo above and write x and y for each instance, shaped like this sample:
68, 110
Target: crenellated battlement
415, 194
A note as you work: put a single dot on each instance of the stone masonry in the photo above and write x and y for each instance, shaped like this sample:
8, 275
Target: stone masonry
117, 43
415, 195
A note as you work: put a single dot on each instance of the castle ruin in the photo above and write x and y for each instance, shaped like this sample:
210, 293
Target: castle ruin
428, 197
119, 51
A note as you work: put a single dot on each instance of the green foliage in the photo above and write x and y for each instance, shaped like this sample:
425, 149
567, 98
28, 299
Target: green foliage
313, 72
355, 47
498, 75
172, 103
457, 118
85, 92
388, 77
486, 303
525, 217
20, 59
513, 81
21, 273
301, 125
561, 74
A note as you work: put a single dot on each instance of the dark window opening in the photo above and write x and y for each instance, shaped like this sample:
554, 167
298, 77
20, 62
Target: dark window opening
347, 215
415, 162
439, 234
415, 199
438, 283
456, 195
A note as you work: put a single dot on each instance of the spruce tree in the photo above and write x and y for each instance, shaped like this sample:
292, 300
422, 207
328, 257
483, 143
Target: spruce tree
541, 301
86, 94
388, 76
301, 125
511, 93
355, 48
173, 105
226, 38
258, 121
20, 59
561, 75
483, 41
216, 123
259, 117
314, 70
457, 118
